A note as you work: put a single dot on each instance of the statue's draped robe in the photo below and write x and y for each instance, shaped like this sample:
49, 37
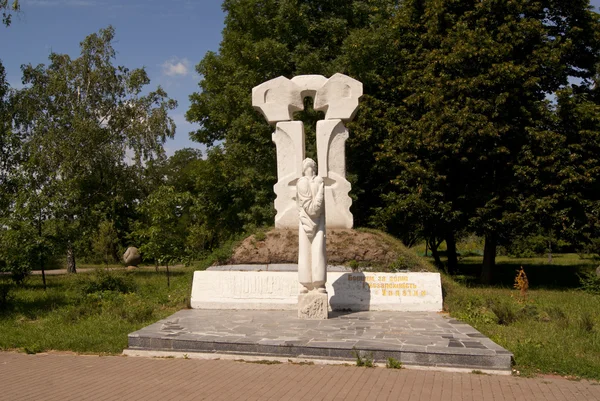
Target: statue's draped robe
312, 260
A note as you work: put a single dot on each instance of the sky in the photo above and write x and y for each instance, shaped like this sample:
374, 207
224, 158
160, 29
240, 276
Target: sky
168, 38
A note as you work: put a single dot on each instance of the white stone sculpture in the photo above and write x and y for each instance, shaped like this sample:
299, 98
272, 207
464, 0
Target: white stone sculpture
289, 141
338, 97
312, 258
331, 143
312, 255
278, 99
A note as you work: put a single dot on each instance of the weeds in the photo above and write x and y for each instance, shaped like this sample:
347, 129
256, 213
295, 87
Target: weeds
363, 358
393, 363
522, 284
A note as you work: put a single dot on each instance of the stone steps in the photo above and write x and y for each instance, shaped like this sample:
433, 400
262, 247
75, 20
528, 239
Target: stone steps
422, 339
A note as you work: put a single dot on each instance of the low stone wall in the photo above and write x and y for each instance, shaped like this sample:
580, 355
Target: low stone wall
262, 287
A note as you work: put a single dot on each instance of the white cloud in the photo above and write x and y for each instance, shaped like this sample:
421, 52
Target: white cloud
174, 67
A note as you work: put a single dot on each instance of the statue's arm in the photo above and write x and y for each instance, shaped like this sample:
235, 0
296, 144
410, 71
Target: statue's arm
312, 206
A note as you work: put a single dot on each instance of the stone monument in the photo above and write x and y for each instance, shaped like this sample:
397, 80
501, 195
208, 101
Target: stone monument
305, 199
312, 255
338, 97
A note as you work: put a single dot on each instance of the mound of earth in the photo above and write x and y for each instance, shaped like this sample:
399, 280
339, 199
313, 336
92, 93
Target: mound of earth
359, 249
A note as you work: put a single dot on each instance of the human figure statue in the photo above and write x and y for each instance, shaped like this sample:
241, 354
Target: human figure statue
312, 259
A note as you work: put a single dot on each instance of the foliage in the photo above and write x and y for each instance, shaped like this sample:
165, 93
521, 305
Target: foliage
590, 282
106, 281
363, 358
8, 7
105, 242
84, 103
393, 363
455, 104
522, 284
261, 41
164, 231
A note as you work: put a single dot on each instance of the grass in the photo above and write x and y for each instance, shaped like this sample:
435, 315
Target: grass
555, 330
71, 315
552, 331
561, 273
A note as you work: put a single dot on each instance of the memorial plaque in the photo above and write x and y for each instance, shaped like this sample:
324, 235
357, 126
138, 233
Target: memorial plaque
347, 291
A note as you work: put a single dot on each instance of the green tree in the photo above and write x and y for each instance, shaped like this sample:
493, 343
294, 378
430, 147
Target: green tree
9, 7
79, 119
466, 98
163, 230
105, 242
263, 40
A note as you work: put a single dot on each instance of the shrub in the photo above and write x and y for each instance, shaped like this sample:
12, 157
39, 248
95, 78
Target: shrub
505, 310
103, 280
590, 282
522, 284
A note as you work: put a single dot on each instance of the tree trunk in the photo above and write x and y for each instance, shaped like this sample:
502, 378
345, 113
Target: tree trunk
489, 258
426, 246
43, 271
71, 267
168, 277
451, 252
433, 245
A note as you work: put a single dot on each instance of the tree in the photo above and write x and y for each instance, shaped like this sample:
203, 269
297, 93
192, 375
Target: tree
163, 230
263, 40
464, 103
79, 118
106, 241
8, 7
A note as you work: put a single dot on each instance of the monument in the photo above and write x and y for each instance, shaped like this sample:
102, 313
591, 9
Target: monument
306, 199
338, 97
312, 255
255, 309
312, 200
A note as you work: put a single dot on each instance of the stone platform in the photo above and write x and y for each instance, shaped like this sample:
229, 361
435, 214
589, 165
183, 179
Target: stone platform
422, 339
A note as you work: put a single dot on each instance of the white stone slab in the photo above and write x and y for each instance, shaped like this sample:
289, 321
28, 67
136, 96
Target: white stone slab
277, 99
331, 143
289, 141
415, 292
338, 97
309, 84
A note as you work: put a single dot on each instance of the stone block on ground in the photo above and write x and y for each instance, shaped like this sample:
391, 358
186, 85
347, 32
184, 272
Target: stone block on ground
132, 256
312, 305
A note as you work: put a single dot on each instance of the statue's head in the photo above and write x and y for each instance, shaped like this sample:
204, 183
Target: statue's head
309, 167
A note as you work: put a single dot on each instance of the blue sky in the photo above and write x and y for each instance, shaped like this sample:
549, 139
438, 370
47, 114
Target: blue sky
168, 38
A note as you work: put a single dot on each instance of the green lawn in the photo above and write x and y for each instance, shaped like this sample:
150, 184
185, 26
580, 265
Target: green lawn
70, 315
552, 331
555, 330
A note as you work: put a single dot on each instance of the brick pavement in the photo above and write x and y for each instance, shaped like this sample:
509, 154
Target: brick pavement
70, 377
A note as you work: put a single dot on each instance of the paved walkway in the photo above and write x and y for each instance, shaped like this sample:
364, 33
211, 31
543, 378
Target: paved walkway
68, 377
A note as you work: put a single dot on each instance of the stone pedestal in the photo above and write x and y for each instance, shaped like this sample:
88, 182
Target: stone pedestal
312, 305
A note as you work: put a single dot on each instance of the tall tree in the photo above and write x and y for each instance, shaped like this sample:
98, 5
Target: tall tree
79, 119
465, 102
263, 40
